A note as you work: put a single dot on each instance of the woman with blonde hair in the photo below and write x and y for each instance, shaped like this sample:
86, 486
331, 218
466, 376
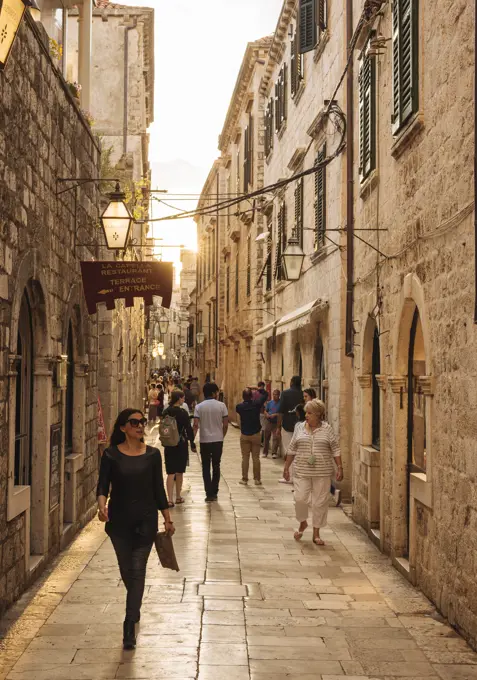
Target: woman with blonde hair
314, 450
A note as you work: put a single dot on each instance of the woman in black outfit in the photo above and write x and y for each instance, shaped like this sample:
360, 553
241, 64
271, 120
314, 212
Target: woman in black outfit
132, 472
177, 456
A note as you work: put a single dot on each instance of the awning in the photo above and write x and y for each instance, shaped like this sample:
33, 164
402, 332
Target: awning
265, 331
299, 317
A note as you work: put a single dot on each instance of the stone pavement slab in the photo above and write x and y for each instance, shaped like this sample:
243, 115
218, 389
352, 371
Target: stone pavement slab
248, 604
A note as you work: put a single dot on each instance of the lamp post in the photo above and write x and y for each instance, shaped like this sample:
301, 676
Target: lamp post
292, 259
11, 15
116, 220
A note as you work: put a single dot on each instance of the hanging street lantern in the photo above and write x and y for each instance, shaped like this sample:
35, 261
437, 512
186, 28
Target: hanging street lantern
154, 353
11, 15
116, 221
200, 338
163, 324
292, 259
160, 349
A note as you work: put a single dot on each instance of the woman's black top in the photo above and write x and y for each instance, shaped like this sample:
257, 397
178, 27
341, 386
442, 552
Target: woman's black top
183, 422
137, 491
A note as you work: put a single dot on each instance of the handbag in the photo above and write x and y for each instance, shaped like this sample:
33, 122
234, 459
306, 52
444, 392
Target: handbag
165, 551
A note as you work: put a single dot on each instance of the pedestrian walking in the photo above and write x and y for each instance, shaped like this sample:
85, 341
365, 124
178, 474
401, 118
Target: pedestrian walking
314, 449
195, 388
287, 416
213, 418
131, 476
271, 429
153, 403
176, 457
251, 432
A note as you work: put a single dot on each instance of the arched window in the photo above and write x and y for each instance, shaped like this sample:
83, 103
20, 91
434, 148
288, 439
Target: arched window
24, 395
69, 406
376, 411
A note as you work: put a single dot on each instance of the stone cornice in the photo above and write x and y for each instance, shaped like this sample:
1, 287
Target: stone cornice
317, 125
398, 383
382, 381
365, 380
278, 45
297, 159
427, 385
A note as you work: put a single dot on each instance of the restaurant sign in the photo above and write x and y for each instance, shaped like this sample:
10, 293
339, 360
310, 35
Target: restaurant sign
110, 281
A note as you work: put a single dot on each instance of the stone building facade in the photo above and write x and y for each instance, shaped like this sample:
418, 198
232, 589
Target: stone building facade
414, 482
49, 344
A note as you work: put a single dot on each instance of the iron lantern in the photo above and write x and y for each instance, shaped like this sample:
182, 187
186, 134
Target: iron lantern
200, 338
11, 15
163, 324
116, 221
292, 259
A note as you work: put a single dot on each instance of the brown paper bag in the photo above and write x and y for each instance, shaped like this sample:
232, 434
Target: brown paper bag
165, 551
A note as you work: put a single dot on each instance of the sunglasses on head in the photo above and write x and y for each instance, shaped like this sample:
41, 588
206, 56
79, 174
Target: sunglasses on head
135, 422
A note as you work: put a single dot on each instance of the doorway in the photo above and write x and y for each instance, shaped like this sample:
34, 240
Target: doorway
24, 396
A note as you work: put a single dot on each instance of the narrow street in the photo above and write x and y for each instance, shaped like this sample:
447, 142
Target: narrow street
248, 603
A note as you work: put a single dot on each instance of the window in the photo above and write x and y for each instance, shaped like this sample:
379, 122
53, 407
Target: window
210, 321
190, 335
214, 252
281, 98
367, 115
313, 23
69, 407
281, 240
249, 266
405, 61
237, 169
268, 265
296, 65
237, 278
227, 291
376, 368
248, 156
199, 322
208, 258
299, 209
269, 131
24, 396
320, 200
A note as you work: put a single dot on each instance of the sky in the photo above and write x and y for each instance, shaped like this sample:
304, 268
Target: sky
199, 46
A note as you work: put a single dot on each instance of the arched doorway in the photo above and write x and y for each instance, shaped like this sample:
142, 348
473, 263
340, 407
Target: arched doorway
376, 396
69, 420
24, 395
416, 411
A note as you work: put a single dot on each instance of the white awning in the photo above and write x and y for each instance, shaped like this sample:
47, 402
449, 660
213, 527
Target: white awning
265, 331
299, 317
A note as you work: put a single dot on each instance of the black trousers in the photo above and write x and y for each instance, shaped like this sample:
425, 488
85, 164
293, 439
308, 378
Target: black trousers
132, 556
211, 453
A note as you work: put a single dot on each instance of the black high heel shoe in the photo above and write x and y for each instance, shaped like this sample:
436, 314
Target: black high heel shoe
129, 634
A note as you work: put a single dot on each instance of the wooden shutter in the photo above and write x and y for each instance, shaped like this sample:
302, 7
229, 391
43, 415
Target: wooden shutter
322, 18
249, 266
269, 256
284, 92
320, 200
269, 123
307, 13
250, 149
293, 67
246, 151
405, 61
299, 204
367, 116
279, 245
277, 106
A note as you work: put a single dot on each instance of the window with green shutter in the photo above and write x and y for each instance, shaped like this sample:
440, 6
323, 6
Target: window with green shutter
268, 265
312, 22
269, 130
281, 241
299, 209
249, 266
281, 92
248, 156
405, 61
320, 200
367, 114
296, 66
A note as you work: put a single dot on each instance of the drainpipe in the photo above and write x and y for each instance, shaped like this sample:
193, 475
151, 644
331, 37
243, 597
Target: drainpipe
475, 167
127, 28
349, 187
217, 250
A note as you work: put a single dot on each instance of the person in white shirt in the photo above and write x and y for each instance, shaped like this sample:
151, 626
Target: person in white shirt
313, 450
213, 418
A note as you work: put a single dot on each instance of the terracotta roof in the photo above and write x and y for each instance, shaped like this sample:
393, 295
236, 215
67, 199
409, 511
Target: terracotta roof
102, 3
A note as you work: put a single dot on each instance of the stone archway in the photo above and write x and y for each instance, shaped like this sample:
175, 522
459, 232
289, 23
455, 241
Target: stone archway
33, 499
410, 384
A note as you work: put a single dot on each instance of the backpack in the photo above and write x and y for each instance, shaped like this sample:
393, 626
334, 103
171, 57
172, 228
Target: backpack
168, 431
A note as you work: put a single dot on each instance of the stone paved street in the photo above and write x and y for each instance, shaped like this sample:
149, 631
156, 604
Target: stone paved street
248, 603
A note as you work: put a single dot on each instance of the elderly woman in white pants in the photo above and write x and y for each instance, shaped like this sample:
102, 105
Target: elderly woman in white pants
313, 449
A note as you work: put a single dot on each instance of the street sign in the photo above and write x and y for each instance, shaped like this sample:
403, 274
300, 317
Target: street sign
110, 281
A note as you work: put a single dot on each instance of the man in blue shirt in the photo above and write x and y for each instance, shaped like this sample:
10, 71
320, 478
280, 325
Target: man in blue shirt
251, 432
272, 431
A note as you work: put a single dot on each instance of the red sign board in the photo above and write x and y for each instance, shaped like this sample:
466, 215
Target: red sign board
110, 281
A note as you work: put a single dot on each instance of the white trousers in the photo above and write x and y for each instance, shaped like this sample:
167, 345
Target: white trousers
312, 492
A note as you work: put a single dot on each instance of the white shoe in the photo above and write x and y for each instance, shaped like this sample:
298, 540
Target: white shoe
258, 482
337, 497
284, 481
244, 482
274, 455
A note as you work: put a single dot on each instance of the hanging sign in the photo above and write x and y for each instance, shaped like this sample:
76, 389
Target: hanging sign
102, 436
110, 281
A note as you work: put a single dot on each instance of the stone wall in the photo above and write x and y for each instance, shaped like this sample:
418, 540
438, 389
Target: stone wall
43, 137
422, 195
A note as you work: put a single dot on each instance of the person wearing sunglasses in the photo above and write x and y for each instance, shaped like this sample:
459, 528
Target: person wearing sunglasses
131, 475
